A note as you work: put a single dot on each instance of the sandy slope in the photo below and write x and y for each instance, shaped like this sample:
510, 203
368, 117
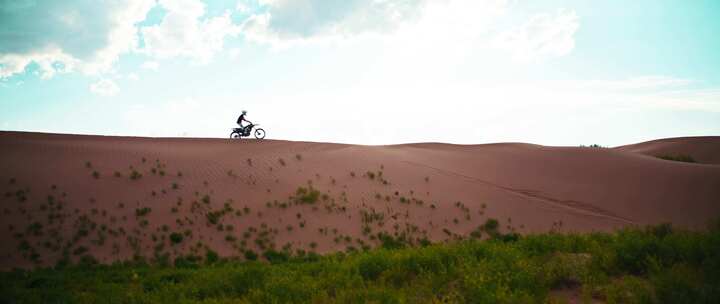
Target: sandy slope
704, 149
52, 203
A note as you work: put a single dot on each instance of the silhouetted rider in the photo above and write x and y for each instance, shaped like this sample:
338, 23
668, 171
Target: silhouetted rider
241, 119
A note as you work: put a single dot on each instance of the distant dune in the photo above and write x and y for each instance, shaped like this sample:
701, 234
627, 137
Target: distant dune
705, 149
117, 197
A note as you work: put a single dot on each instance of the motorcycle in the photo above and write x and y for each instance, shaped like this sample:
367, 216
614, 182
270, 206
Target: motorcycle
237, 133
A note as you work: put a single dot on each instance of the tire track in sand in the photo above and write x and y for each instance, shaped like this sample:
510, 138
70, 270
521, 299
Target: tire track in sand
535, 195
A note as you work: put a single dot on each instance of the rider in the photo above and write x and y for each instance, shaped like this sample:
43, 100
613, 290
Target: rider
241, 119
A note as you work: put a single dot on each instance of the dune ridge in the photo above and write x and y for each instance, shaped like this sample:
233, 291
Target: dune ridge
703, 149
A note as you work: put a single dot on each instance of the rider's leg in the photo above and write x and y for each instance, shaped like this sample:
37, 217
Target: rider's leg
241, 129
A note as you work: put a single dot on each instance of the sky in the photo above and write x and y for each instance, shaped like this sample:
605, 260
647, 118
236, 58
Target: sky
552, 72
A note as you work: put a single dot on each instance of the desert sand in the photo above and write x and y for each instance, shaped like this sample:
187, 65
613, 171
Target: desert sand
117, 197
703, 149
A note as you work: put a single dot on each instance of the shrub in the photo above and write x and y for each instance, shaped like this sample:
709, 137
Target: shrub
682, 284
142, 211
176, 238
213, 217
662, 230
632, 248
510, 237
631, 290
389, 242
188, 261
307, 195
88, 261
211, 257
370, 267
80, 250
247, 278
135, 175
491, 226
250, 255
275, 256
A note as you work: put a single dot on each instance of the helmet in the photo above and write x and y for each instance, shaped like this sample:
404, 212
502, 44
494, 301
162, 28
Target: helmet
244, 112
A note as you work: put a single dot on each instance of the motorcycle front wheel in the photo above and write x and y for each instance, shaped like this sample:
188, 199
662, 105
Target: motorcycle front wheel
259, 133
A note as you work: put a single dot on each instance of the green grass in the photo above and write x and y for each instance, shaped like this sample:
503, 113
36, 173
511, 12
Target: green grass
307, 195
651, 265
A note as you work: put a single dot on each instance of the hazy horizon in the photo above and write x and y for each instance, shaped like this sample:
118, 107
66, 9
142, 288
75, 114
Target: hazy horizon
364, 72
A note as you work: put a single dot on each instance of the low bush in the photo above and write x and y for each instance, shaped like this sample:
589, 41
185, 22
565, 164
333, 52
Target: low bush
307, 195
142, 211
250, 255
176, 238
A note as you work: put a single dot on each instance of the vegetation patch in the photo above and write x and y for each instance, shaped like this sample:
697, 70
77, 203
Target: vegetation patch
135, 175
176, 238
142, 211
657, 264
307, 195
679, 157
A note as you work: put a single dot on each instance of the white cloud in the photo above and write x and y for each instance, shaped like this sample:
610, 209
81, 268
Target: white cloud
50, 60
88, 36
242, 7
104, 87
150, 65
419, 30
64, 36
544, 35
184, 33
133, 77
299, 20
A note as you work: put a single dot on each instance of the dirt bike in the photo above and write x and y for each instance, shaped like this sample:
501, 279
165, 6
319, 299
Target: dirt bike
245, 132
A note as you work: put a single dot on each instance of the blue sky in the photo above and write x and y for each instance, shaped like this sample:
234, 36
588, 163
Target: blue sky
366, 72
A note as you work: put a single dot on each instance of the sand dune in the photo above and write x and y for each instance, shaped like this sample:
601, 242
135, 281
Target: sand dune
705, 149
69, 195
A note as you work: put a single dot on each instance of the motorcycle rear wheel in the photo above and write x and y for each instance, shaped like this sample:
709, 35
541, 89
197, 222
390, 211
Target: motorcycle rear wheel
234, 135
